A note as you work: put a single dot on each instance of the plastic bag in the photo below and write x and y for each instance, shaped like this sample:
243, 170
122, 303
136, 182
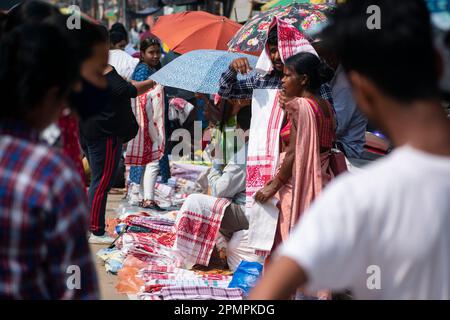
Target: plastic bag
111, 224
128, 281
133, 262
246, 276
238, 250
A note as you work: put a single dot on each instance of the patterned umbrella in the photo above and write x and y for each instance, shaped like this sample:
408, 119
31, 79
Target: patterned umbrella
281, 3
252, 36
198, 70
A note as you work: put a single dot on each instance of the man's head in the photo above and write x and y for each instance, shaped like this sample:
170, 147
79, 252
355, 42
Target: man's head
275, 57
145, 27
117, 40
91, 43
395, 63
326, 52
119, 27
38, 68
32, 11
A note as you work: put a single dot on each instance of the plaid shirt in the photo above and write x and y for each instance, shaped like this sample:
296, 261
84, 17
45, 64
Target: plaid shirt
44, 253
232, 88
326, 94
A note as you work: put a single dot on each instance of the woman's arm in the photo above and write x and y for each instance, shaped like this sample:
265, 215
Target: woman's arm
143, 86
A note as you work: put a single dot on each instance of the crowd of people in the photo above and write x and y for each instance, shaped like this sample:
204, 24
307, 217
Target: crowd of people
297, 120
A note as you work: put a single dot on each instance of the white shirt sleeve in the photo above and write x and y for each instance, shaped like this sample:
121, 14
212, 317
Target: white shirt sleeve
232, 180
229, 183
330, 241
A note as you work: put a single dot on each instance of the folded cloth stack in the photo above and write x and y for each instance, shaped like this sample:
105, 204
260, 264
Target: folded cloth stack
158, 223
200, 293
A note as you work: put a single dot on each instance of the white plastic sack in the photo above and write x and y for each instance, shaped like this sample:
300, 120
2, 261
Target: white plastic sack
238, 250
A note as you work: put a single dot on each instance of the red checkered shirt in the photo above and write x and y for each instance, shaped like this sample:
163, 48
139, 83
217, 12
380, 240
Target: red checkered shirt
44, 253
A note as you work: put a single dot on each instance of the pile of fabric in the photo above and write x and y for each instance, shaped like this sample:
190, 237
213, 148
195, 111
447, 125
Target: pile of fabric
144, 258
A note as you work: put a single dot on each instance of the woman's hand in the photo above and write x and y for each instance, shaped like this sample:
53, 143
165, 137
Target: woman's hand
267, 192
284, 101
143, 86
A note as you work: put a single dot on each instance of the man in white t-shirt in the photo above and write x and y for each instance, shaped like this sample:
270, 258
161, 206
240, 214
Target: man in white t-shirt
383, 233
123, 63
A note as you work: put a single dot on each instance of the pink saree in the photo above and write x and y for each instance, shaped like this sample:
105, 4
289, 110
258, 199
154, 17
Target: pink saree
311, 169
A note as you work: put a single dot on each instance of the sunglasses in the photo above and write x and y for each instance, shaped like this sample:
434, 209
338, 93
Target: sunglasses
151, 41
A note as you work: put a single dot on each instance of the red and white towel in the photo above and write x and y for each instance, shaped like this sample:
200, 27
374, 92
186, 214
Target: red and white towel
179, 109
197, 227
290, 42
149, 143
200, 293
263, 145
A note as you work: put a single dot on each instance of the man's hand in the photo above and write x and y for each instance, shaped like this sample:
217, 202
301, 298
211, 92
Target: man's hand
241, 65
282, 278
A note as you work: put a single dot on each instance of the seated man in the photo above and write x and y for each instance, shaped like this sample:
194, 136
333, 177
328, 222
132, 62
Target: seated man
202, 216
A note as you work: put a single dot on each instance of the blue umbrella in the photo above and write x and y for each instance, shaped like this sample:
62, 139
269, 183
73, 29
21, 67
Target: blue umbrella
199, 70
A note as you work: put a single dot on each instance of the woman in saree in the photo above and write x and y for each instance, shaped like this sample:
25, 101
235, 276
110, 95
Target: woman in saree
306, 139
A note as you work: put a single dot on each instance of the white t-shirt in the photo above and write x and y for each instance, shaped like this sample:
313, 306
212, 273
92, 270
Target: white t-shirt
389, 223
123, 63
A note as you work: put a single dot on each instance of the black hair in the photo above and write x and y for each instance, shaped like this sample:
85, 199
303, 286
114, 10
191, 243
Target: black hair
244, 117
83, 39
147, 42
399, 57
318, 72
34, 58
116, 37
145, 27
119, 27
272, 38
3, 21
33, 11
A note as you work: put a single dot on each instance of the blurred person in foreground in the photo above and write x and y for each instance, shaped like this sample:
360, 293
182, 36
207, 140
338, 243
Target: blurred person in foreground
43, 212
393, 217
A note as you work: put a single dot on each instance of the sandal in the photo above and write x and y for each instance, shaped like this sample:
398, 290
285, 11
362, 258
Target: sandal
150, 204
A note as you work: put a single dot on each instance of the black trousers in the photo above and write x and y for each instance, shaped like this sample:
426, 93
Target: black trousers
103, 156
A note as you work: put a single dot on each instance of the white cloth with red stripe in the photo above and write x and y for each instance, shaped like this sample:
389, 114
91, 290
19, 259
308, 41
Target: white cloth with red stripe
290, 42
197, 227
179, 109
262, 160
149, 143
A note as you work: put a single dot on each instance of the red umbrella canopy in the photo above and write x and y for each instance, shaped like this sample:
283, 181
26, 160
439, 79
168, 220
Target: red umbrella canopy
195, 30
